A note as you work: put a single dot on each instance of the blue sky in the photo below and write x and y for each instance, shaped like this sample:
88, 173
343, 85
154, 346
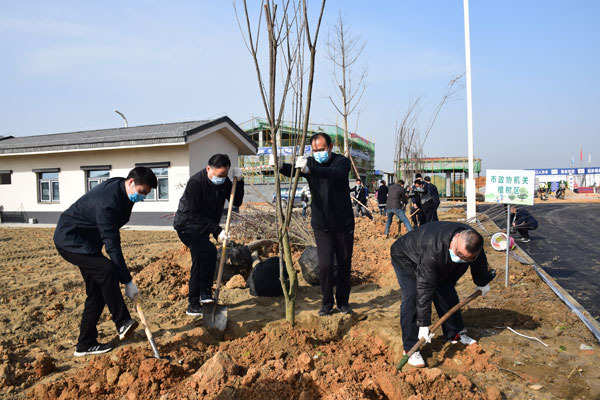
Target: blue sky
66, 65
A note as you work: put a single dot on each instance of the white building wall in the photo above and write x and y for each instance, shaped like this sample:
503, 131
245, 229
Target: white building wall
201, 150
22, 193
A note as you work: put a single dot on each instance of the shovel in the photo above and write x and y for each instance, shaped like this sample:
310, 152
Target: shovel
454, 309
146, 327
215, 315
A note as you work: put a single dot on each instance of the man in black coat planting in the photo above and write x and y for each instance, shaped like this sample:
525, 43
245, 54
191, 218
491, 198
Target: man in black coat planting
91, 223
198, 215
428, 262
332, 218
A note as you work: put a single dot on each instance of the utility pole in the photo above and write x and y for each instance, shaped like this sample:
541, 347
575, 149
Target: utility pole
471, 179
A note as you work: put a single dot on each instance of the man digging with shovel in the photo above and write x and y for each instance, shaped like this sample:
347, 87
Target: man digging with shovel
198, 216
428, 262
83, 229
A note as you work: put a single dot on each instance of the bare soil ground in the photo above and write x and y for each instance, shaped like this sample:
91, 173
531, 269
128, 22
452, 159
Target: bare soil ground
260, 355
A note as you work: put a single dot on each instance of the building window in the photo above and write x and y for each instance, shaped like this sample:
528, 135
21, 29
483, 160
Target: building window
48, 187
5, 177
161, 170
95, 175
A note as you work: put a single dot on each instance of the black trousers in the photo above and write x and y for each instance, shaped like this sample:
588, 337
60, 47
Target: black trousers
428, 209
102, 288
341, 244
204, 259
444, 299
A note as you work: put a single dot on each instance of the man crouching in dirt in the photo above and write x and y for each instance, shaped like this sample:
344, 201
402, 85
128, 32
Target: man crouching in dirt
332, 218
428, 262
198, 216
91, 222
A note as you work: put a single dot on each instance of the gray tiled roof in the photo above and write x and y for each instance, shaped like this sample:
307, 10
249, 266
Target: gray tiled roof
117, 137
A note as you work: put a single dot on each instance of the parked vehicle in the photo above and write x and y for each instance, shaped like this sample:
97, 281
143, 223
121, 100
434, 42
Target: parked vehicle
297, 198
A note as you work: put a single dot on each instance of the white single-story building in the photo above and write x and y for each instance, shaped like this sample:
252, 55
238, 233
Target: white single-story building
41, 176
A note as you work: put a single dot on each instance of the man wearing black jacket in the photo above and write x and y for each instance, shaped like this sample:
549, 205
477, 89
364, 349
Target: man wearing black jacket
332, 218
198, 216
428, 262
435, 197
523, 222
382, 194
83, 229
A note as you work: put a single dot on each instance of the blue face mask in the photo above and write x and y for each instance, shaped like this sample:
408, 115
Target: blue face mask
217, 180
455, 258
321, 156
135, 197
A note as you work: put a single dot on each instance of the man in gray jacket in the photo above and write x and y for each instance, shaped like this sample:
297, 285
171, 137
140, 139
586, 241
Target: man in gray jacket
396, 203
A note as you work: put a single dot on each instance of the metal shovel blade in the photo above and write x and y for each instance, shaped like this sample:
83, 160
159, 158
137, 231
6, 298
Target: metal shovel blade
214, 316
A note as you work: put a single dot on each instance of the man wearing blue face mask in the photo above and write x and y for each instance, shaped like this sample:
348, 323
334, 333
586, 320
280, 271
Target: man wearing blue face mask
198, 216
93, 222
428, 262
332, 218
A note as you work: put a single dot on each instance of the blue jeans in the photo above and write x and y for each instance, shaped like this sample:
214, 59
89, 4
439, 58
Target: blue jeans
398, 212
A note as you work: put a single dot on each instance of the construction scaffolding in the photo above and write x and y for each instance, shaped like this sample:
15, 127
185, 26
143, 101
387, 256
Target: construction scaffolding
449, 174
256, 167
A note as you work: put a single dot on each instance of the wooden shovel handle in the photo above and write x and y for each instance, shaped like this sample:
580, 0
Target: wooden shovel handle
224, 248
437, 325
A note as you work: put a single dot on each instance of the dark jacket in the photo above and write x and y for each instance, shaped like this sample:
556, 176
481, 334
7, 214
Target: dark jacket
331, 207
433, 191
201, 206
426, 250
397, 198
94, 221
382, 194
524, 220
359, 193
423, 193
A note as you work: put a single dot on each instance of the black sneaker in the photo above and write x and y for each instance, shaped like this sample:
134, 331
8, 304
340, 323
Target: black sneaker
195, 310
207, 297
95, 349
345, 309
325, 310
127, 329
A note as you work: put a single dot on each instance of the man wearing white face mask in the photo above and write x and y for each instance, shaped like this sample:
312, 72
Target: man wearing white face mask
93, 222
198, 216
428, 262
332, 218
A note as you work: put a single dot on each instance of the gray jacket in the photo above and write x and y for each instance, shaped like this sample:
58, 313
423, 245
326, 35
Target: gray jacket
396, 197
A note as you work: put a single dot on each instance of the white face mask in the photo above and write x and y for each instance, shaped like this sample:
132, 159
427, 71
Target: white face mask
455, 258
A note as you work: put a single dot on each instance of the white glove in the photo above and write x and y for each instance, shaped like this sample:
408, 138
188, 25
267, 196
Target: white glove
484, 289
272, 161
301, 162
237, 173
131, 290
424, 334
223, 236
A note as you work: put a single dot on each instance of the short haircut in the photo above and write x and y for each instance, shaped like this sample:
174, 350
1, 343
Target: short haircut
143, 176
418, 181
323, 135
219, 161
358, 180
382, 181
473, 240
401, 181
427, 179
418, 176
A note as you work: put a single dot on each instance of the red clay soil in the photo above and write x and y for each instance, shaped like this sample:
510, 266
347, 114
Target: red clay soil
260, 355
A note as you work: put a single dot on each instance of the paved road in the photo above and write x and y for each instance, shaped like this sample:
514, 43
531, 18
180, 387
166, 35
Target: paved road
567, 245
